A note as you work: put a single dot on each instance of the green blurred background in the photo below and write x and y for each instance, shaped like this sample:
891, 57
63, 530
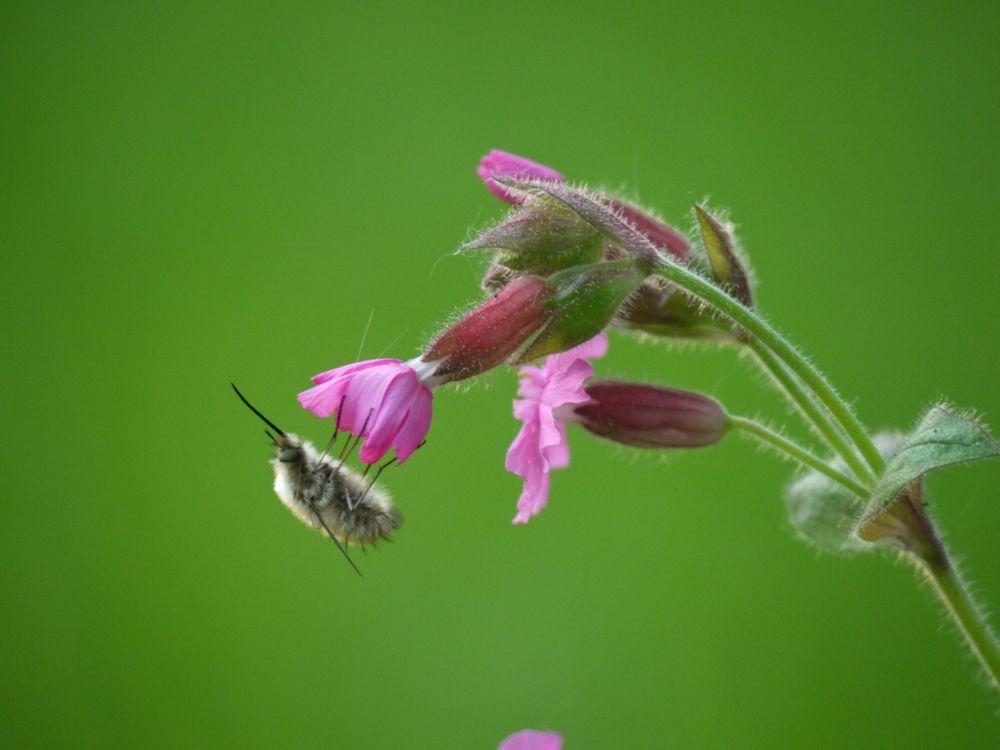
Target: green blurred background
199, 193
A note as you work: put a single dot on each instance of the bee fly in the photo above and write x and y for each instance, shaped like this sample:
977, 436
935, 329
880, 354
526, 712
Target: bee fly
327, 495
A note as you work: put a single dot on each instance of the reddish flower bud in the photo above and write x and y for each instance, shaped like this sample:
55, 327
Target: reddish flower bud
490, 334
648, 416
660, 234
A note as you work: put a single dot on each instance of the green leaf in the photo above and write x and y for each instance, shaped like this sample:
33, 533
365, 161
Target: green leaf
825, 512
942, 438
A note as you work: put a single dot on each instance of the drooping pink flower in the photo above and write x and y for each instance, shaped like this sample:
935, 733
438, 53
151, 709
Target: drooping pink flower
503, 164
383, 401
387, 402
529, 739
541, 445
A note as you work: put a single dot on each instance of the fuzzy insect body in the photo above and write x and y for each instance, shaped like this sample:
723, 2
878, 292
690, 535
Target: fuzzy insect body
325, 494
321, 491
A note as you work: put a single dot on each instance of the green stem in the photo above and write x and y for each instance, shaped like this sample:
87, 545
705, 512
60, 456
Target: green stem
813, 412
697, 285
793, 450
970, 619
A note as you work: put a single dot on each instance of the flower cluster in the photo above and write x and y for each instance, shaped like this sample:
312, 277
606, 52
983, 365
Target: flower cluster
568, 264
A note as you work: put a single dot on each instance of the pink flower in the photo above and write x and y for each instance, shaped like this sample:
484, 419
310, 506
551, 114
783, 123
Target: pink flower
383, 401
531, 740
502, 164
541, 444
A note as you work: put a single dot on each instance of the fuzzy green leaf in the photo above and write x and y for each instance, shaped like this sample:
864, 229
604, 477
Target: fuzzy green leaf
942, 438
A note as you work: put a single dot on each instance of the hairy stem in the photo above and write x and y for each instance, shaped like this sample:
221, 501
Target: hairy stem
793, 450
942, 574
747, 319
963, 610
814, 413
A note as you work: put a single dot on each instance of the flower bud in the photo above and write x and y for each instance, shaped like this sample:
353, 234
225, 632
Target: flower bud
490, 334
660, 309
595, 208
584, 301
648, 416
720, 245
541, 239
660, 234
503, 164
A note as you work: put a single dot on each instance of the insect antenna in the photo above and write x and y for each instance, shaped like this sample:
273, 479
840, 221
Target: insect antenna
268, 433
252, 408
334, 539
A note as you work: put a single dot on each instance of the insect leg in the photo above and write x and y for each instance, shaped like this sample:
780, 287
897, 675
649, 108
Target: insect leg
374, 479
353, 444
336, 429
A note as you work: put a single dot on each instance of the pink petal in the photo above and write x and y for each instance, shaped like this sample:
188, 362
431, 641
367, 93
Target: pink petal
364, 396
567, 387
352, 368
523, 453
390, 414
531, 740
541, 444
503, 164
418, 422
534, 497
548, 431
322, 400
557, 454
525, 460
